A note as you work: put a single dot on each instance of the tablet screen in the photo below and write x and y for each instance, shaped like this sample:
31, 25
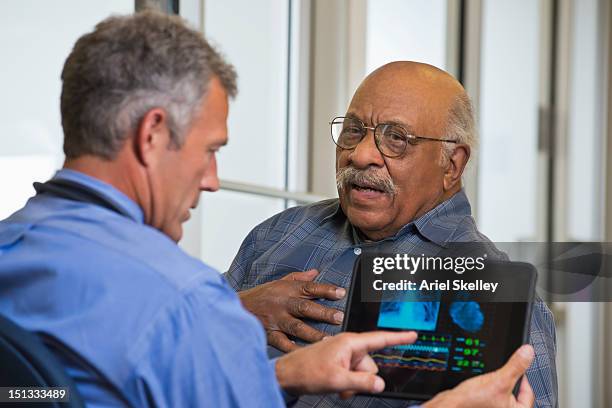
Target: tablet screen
458, 338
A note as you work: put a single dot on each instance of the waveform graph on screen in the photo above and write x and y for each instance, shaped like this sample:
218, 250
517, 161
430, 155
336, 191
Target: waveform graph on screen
430, 352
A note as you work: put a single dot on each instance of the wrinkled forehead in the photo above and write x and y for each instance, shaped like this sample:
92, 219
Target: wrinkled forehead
419, 103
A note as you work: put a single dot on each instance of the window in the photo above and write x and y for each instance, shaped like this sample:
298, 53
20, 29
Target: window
406, 30
35, 38
266, 153
509, 101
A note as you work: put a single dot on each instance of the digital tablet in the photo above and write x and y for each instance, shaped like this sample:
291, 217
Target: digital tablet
464, 328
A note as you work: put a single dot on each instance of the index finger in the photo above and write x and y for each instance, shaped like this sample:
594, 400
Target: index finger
376, 340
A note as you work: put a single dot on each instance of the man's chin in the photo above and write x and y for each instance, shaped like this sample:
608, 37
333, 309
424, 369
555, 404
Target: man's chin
175, 232
368, 220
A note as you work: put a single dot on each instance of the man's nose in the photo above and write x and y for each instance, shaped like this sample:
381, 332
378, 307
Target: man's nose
366, 153
210, 180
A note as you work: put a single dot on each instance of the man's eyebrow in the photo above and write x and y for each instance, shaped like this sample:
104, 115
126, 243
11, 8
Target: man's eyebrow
392, 121
397, 122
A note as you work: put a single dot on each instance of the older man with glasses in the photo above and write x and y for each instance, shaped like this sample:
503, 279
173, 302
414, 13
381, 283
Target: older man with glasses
401, 150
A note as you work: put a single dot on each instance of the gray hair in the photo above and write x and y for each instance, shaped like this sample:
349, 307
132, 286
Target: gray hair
460, 126
127, 66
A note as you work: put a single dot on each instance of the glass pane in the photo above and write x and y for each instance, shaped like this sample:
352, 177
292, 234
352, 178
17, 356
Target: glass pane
584, 170
17, 173
509, 120
406, 30
227, 218
31, 145
583, 176
254, 37
190, 10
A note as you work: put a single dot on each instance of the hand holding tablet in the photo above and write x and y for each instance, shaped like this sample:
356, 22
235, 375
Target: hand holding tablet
460, 335
342, 364
492, 389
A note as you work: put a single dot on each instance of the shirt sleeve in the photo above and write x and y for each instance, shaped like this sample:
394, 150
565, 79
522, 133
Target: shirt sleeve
238, 270
205, 351
542, 374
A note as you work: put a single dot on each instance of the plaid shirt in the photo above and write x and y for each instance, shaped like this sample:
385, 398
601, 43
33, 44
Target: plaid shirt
320, 236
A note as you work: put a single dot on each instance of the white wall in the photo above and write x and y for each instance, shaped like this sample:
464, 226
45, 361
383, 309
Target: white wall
405, 30
35, 39
508, 173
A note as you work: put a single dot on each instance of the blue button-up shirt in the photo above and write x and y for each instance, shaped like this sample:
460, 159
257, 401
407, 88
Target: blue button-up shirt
320, 236
134, 319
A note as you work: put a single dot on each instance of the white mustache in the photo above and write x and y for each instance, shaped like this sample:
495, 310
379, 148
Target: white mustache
348, 176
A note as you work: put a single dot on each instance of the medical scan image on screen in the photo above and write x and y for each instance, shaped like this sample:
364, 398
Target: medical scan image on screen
459, 334
438, 346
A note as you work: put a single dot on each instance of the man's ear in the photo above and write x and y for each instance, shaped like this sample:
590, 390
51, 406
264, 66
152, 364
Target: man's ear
455, 166
152, 136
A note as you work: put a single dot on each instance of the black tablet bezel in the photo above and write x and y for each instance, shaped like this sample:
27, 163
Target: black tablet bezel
424, 397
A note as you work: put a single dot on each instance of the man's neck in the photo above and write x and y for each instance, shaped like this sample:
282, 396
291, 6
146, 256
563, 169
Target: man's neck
108, 171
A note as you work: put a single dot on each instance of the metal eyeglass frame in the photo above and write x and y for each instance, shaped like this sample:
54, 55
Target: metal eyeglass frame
407, 134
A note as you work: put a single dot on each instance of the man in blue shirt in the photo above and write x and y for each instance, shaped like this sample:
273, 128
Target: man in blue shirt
91, 263
400, 154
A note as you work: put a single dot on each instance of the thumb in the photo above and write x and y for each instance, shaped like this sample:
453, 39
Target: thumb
360, 381
525, 397
302, 276
516, 366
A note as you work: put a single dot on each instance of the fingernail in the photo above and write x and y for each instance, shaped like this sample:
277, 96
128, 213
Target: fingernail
340, 292
338, 317
379, 385
526, 352
326, 337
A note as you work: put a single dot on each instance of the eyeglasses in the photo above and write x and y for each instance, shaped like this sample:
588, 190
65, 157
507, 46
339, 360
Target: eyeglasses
391, 139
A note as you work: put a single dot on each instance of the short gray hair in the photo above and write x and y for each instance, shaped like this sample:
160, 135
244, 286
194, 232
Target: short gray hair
127, 66
460, 126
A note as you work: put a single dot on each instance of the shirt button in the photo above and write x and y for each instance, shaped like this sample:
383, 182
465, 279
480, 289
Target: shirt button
357, 251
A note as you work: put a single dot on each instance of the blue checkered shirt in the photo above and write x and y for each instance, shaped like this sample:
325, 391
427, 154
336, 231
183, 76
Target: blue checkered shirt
320, 236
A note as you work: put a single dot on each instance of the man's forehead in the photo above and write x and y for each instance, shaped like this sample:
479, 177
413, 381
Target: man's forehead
389, 94
407, 82
375, 116
394, 106
419, 105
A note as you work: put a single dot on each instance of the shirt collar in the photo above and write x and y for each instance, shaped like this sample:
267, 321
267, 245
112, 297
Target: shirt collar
104, 189
440, 223
437, 225
336, 213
